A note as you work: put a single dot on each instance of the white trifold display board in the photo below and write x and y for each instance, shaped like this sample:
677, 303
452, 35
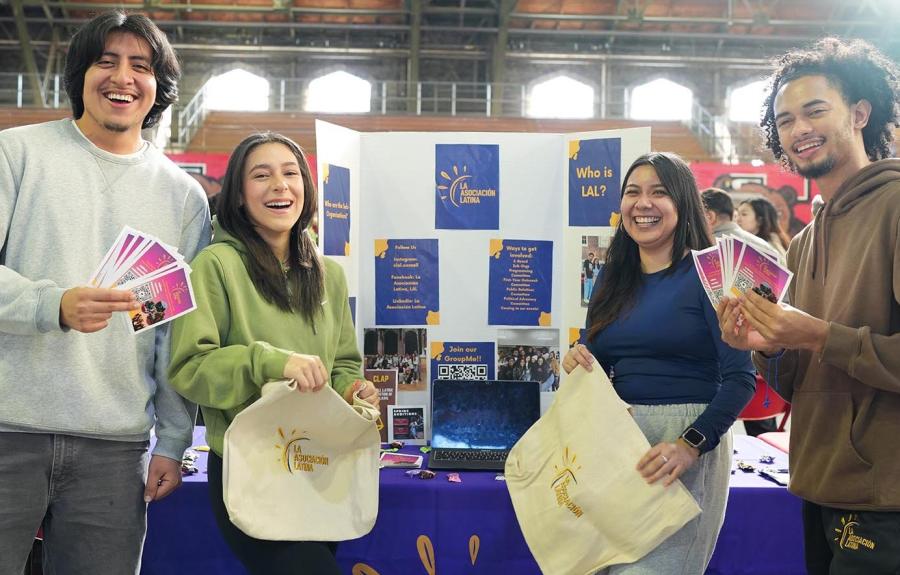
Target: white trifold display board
393, 181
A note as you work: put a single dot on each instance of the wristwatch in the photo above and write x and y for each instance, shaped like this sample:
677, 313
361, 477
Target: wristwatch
693, 437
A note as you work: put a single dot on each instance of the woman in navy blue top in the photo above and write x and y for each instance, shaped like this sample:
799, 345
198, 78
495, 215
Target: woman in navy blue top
652, 328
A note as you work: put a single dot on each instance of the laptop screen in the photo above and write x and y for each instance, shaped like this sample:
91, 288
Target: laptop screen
482, 414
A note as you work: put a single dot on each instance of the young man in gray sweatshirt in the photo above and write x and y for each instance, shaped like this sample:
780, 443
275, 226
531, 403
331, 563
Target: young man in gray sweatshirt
80, 391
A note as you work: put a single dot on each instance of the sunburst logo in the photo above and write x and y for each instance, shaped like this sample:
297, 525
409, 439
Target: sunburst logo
846, 536
291, 455
455, 184
568, 469
562, 479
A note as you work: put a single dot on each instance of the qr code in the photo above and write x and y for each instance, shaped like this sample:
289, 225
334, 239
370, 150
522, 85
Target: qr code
142, 293
743, 283
126, 277
471, 371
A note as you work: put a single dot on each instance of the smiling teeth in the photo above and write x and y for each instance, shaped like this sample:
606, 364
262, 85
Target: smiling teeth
645, 220
121, 97
808, 145
279, 204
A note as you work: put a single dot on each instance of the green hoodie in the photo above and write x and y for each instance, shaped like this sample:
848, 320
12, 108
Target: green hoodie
235, 341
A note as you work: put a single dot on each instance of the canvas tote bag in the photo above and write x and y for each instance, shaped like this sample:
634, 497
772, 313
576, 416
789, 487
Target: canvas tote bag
302, 466
580, 502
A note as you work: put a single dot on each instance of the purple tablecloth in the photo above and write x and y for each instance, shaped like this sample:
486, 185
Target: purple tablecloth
761, 535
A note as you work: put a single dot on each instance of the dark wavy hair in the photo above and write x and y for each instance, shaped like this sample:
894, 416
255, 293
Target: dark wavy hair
622, 276
305, 286
87, 46
767, 218
855, 68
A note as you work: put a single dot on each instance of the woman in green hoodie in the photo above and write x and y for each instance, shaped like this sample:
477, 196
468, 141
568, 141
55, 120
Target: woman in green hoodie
268, 307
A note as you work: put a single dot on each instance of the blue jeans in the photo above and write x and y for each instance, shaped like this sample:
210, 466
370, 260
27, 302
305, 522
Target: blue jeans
88, 494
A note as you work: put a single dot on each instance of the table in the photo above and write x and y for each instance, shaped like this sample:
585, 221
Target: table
762, 533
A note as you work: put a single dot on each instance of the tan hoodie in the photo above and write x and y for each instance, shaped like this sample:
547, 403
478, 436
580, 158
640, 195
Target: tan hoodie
845, 432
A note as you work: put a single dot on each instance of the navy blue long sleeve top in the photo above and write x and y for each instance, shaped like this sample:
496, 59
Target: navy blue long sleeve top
668, 349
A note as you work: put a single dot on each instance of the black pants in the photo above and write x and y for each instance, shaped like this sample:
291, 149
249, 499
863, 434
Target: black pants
262, 557
842, 542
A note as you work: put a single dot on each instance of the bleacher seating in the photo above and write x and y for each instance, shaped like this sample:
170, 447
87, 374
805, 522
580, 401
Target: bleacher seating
11, 117
221, 131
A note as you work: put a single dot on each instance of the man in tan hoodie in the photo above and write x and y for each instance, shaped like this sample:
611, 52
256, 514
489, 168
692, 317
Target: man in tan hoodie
835, 351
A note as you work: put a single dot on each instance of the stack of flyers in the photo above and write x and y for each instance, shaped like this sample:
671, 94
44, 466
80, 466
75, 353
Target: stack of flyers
732, 268
153, 271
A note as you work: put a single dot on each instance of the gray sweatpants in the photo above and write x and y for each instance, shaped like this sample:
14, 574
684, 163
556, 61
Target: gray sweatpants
689, 550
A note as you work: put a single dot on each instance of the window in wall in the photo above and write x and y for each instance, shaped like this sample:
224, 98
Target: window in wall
339, 92
163, 129
745, 103
661, 99
237, 90
561, 97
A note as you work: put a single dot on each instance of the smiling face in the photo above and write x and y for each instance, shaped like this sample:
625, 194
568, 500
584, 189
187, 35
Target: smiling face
273, 194
815, 125
119, 91
648, 212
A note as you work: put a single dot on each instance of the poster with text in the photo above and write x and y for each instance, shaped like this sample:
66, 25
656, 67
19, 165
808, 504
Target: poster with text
406, 282
407, 424
594, 181
385, 381
336, 216
401, 348
467, 186
520, 282
462, 360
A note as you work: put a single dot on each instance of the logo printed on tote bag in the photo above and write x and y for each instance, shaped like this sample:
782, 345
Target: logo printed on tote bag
292, 456
847, 539
560, 484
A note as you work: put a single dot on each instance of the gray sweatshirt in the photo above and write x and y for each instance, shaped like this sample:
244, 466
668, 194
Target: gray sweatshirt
63, 202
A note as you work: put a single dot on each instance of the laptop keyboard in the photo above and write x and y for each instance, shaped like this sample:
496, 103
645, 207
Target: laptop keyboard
470, 455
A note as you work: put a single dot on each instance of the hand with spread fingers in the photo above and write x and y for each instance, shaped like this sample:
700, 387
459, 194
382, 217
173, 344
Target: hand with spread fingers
578, 355
667, 461
783, 326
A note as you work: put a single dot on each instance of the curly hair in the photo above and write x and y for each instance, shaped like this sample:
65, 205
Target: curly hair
859, 71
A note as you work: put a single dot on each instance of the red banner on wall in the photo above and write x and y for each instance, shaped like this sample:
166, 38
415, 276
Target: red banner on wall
209, 169
791, 194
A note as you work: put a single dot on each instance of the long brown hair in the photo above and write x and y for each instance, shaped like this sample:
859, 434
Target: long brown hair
767, 218
300, 288
622, 277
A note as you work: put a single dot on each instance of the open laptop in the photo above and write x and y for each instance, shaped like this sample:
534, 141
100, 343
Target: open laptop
474, 424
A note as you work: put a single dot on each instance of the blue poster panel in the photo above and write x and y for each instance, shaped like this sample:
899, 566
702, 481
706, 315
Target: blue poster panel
462, 360
406, 282
467, 186
594, 181
520, 282
336, 216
